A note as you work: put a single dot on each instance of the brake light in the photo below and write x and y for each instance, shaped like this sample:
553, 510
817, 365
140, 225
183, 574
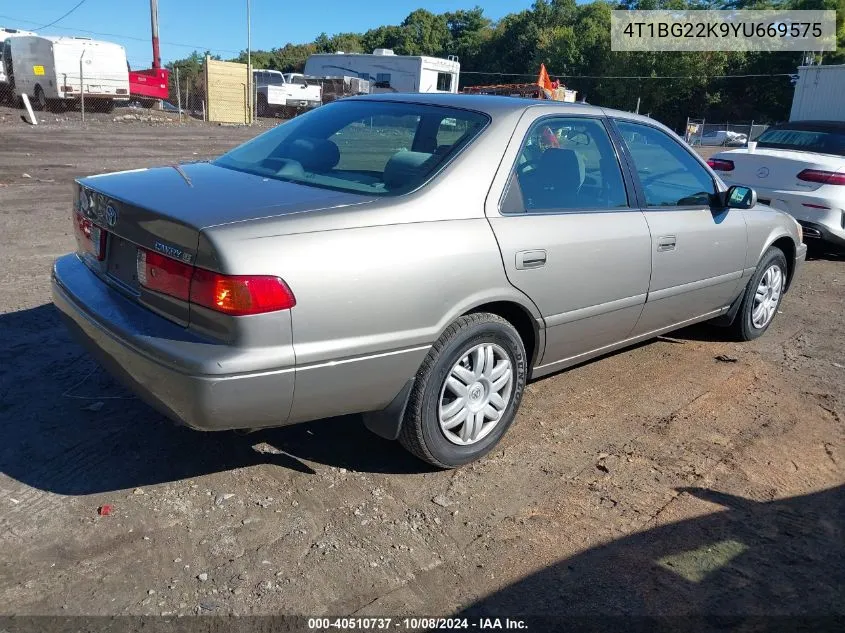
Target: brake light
823, 177
90, 237
236, 295
240, 295
720, 164
162, 274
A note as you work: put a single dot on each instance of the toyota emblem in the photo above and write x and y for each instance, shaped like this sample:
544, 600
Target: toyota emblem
111, 215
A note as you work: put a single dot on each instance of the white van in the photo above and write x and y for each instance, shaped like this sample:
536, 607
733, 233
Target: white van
388, 72
47, 69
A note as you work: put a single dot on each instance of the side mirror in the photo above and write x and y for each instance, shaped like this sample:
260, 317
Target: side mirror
739, 197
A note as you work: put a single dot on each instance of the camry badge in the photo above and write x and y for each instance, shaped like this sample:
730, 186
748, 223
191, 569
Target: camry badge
111, 215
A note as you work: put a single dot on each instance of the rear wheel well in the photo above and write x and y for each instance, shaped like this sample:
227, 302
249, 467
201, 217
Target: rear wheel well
521, 319
788, 247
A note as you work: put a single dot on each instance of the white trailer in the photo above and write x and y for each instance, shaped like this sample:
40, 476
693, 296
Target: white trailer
819, 94
5, 89
388, 72
47, 69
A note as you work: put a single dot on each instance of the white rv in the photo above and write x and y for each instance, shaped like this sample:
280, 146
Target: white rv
47, 69
5, 89
388, 72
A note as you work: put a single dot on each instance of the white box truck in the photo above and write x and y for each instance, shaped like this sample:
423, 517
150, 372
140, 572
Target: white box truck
388, 72
819, 94
5, 88
47, 69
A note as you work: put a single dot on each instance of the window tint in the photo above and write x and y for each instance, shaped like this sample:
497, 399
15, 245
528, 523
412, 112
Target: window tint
669, 175
383, 80
368, 147
569, 163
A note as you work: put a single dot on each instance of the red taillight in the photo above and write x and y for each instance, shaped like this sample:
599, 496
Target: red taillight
236, 295
809, 205
240, 295
90, 237
823, 177
162, 274
720, 164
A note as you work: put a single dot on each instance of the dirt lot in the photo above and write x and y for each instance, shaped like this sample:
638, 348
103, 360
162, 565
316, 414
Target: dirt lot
686, 475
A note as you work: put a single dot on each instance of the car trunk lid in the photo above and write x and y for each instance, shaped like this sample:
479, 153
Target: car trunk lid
163, 210
776, 168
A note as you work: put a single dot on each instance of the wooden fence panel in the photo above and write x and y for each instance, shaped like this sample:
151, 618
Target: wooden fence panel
226, 92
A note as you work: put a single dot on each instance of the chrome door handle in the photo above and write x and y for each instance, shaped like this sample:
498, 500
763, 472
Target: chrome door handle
666, 243
530, 259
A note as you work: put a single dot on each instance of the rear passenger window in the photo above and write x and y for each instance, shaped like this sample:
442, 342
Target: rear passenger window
669, 175
568, 163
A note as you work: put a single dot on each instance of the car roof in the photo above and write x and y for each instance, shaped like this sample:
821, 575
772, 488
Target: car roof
498, 106
490, 104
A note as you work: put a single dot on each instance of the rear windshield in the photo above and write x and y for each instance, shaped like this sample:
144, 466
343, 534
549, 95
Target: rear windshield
805, 140
368, 147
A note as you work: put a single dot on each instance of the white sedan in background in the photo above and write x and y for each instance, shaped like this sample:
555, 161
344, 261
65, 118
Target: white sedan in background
797, 167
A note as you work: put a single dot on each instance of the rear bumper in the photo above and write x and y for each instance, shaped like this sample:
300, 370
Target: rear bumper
166, 365
814, 232
829, 221
800, 258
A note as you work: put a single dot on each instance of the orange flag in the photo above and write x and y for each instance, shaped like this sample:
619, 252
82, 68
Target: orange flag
543, 79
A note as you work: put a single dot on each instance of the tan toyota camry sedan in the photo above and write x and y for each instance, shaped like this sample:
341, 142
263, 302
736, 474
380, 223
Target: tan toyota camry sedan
415, 258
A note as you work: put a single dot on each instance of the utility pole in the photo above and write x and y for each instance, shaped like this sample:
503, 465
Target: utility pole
249, 60
154, 26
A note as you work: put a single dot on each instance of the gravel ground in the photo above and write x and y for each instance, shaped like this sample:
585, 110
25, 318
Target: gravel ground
686, 475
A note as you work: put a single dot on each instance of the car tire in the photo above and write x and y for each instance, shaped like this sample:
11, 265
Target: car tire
762, 296
488, 390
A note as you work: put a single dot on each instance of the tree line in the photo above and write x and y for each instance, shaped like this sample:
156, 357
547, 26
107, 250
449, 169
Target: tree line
573, 41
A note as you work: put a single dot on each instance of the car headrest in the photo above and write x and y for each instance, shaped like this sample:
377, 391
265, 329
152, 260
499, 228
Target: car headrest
562, 167
314, 154
404, 167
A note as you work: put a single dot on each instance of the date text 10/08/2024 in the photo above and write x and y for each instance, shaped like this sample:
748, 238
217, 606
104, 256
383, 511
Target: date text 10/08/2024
414, 624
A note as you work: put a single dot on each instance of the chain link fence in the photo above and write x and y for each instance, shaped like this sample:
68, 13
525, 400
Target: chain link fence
707, 133
205, 91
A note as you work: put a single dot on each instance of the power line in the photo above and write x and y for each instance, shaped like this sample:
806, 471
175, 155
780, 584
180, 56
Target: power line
79, 4
128, 37
551, 74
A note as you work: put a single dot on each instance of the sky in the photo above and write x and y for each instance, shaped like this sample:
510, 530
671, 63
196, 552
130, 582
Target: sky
220, 25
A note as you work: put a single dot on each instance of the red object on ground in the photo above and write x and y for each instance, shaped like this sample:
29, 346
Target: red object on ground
151, 83
104, 511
